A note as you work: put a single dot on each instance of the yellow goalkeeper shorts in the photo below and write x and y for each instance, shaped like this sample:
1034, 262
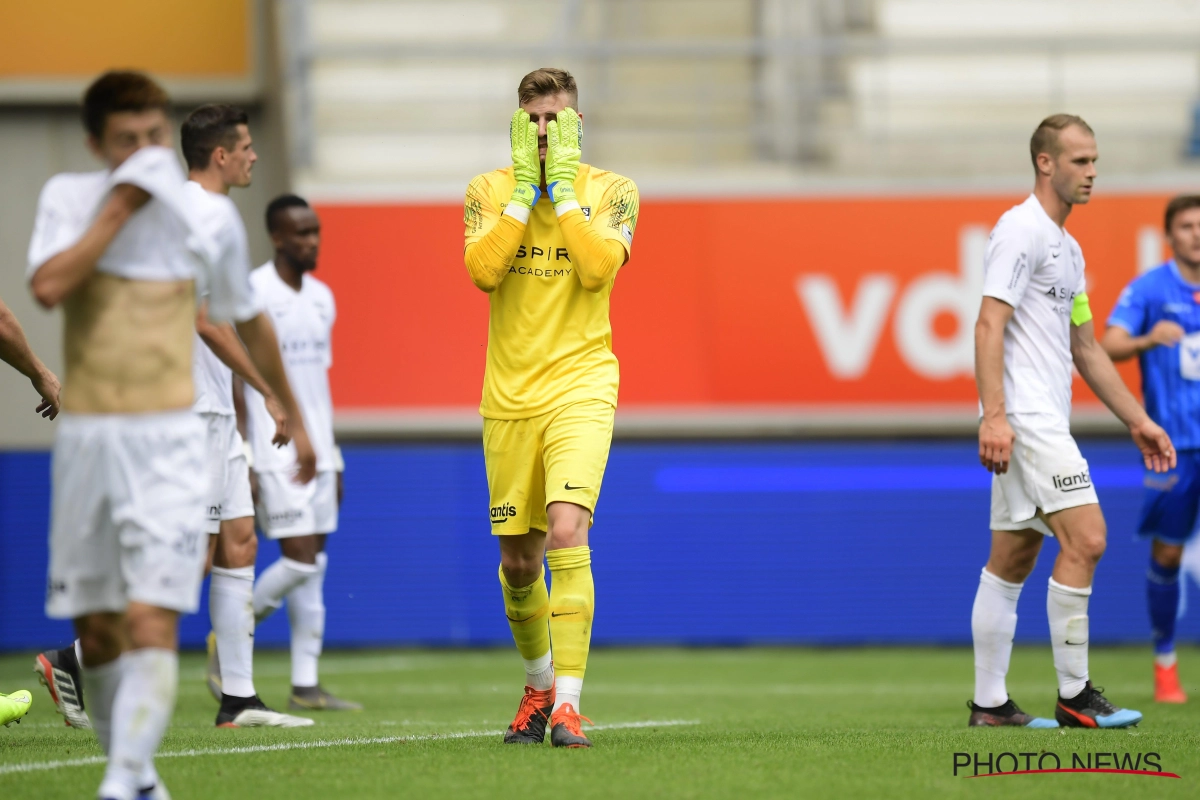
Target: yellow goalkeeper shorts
559, 456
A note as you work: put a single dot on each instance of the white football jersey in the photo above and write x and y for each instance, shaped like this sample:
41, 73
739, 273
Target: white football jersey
303, 323
1037, 268
223, 223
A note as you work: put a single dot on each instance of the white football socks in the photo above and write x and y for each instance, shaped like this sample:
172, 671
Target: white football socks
306, 611
539, 672
993, 625
141, 712
1067, 609
231, 610
276, 582
102, 683
567, 690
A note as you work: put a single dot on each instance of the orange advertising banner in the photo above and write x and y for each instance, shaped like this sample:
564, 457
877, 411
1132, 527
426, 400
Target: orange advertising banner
797, 301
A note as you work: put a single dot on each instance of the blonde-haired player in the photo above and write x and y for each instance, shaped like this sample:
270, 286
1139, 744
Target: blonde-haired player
550, 386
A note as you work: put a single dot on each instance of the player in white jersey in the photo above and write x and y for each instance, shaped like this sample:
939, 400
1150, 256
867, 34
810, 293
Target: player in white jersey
220, 155
299, 517
1034, 325
122, 250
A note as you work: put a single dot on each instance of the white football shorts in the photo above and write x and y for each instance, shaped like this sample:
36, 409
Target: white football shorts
286, 508
1046, 472
127, 513
229, 474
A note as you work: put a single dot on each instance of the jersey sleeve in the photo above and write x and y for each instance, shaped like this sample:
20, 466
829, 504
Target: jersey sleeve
480, 210
1130, 311
230, 295
56, 226
617, 216
1007, 263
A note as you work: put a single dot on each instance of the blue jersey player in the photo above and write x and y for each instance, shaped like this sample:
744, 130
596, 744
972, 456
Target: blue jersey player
1157, 319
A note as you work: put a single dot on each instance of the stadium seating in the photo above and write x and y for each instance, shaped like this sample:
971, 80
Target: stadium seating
409, 97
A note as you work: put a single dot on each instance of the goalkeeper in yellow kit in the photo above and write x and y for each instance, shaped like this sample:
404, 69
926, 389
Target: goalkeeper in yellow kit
550, 387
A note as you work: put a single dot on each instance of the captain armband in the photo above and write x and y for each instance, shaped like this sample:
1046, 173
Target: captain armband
1081, 311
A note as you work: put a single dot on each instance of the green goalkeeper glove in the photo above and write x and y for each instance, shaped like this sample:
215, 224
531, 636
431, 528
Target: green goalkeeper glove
564, 146
527, 166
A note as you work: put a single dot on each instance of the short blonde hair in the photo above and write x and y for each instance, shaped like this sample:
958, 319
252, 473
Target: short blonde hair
1045, 138
548, 81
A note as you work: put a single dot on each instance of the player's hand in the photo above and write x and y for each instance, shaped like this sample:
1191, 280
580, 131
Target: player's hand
306, 457
1165, 333
527, 165
995, 444
564, 147
47, 386
1155, 444
275, 409
130, 197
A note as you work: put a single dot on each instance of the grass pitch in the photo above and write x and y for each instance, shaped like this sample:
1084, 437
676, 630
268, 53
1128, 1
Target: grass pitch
671, 723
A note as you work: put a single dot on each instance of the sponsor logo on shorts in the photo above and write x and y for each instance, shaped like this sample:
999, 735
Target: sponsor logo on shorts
55, 586
280, 519
502, 513
1073, 482
214, 512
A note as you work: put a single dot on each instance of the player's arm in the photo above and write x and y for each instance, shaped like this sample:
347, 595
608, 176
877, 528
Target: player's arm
259, 337
995, 434
63, 272
1099, 373
1127, 336
226, 345
601, 247
1120, 344
493, 237
15, 351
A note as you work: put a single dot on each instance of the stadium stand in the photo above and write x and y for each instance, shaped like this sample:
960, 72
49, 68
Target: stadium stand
885, 89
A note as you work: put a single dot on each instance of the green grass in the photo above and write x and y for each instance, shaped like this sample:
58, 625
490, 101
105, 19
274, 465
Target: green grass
765, 722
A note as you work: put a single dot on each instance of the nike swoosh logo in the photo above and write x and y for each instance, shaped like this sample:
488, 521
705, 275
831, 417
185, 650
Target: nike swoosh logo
571, 488
563, 614
1076, 643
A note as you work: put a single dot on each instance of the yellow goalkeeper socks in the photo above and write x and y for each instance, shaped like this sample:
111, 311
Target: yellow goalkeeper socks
572, 601
527, 608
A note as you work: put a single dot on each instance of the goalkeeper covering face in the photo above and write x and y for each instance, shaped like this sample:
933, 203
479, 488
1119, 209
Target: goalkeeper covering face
545, 238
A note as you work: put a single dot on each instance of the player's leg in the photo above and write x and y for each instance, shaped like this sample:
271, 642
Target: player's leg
284, 512
216, 439
1017, 536
517, 516
1168, 520
1082, 537
994, 624
1162, 598
576, 446
163, 545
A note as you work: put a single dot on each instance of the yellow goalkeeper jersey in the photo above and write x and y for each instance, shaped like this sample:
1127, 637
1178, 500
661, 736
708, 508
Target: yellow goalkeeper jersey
549, 339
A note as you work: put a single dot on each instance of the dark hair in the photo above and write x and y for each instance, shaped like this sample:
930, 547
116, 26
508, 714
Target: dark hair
284, 201
1045, 138
207, 128
548, 81
118, 91
1181, 203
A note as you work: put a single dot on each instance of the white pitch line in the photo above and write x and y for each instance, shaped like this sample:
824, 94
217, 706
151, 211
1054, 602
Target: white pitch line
41, 766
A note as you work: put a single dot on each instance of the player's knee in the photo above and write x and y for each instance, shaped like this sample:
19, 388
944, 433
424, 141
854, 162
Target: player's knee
520, 569
1089, 545
100, 641
1168, 556
568, 530
149, 626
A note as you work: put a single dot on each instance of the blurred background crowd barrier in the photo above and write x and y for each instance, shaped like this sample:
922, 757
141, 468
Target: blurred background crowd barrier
818, 182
